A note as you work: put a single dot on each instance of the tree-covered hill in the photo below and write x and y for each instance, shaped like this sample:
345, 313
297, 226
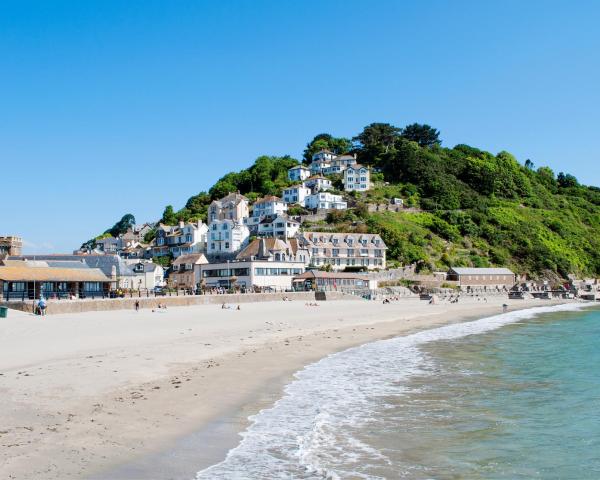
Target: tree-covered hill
471, 207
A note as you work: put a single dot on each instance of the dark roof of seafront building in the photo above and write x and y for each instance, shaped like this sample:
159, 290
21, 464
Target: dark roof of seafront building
262, 247
481, 271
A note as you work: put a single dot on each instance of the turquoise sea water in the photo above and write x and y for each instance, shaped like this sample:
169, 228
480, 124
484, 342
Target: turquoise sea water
507, 397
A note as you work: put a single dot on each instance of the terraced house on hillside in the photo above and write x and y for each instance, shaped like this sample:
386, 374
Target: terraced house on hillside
181, 239
341, 250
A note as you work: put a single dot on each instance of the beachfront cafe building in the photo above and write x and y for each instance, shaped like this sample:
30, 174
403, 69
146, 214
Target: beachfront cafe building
321, 281
33, 282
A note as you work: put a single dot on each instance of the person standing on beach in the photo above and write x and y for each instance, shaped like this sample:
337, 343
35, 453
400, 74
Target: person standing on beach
137, 305
42, 306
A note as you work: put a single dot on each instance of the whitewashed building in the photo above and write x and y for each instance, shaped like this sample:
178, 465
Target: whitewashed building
325, 201
339, 164
341, 250
357, 179
226, 238
318, 183
279, 226
296, 194
269, 205
298, 173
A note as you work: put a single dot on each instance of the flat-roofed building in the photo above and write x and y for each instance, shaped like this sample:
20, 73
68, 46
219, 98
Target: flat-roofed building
332, 281
482, 277
296, 194
325, 201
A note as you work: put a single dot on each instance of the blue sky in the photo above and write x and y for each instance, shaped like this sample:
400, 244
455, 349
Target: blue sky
110, 107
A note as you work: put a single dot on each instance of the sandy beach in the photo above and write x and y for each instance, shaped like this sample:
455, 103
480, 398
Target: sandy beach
125, 394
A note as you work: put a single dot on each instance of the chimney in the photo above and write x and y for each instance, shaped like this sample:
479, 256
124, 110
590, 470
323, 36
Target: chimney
181, 224
262, 248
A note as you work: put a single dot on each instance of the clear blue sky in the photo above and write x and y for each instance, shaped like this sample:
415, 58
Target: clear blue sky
110, 107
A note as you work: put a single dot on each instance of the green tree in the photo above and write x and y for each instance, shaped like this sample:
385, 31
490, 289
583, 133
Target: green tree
127, 221
376, 140
325, 141
566, 180
168, 216
424, 135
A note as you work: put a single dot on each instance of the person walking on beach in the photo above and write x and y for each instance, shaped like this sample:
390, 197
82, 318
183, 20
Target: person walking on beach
137, 305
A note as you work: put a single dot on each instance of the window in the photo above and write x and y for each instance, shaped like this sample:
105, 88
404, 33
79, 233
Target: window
350, 252
96, 286
226, 245
336, 252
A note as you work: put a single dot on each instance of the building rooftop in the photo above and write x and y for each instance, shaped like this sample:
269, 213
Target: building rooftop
336, 275
261, 247
481, 271
193, 258
49, 274
268, 198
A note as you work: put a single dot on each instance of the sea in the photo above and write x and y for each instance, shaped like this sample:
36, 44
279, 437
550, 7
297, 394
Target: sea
512, 396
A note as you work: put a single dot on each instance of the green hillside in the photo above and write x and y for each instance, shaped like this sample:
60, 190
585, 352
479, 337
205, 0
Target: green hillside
468, 207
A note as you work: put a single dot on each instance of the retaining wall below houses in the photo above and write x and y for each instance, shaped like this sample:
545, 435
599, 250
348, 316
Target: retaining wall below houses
77, 306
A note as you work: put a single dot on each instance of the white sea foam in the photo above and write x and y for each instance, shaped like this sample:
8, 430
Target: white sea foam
311, 432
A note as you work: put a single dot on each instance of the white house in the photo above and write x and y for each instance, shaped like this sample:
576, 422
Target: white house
357, 178
325, 200
319, 167
326, 162
226, 237
296, 194
318, 183
279, 226
339, 164
181, 239
323, 156
269, 205
147, 275
298, 173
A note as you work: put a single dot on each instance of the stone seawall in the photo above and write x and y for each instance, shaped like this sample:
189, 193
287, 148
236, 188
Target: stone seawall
77, 306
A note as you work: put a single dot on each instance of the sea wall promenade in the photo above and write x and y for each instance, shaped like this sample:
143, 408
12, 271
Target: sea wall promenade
89, 305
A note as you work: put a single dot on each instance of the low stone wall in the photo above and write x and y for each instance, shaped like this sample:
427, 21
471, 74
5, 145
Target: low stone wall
77, 306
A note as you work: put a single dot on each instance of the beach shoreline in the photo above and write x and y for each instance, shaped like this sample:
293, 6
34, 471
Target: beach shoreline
128, 395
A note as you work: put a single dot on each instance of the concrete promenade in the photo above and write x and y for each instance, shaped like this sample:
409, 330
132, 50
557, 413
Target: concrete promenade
88, 305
